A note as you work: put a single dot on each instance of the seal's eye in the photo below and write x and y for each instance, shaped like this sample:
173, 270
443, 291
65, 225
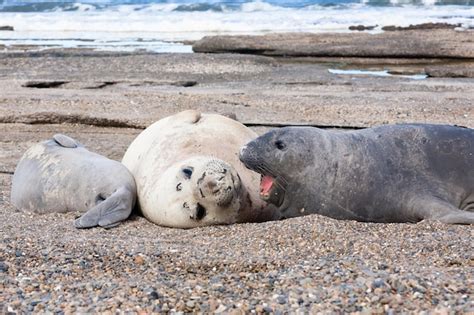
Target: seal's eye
280, 145
185, 205
188, 171
179, 187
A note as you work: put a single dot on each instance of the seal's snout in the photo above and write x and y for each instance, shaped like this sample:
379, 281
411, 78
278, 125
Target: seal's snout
219, 182
247, 156
242, 153
217, 185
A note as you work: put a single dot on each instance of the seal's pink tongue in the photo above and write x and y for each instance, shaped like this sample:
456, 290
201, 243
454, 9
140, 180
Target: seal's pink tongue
266, 185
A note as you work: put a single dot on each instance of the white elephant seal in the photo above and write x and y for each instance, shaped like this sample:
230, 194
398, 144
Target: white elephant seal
188, 172
60, 175
397, 173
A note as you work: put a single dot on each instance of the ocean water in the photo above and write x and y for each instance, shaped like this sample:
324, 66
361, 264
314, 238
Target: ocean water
162, 26
382, 73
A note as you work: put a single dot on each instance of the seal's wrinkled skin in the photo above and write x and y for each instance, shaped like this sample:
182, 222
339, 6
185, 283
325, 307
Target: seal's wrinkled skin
188, 172
398, 173
60, 175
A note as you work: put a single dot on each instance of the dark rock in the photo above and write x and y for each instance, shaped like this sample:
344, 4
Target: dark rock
153, 295
383, 266
377, 283
185, 83
3, 267
44, 84
84, 264
281, 299
423, 26
6, 28
352, 300
362, 27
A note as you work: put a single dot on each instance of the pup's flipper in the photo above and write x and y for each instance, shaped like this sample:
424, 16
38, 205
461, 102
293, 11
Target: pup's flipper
117, 207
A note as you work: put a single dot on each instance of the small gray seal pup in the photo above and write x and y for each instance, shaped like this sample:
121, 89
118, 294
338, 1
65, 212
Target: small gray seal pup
393, 173
60, 175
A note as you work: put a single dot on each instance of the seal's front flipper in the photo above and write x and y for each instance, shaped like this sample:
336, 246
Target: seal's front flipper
109, 212
65, 141
433, 208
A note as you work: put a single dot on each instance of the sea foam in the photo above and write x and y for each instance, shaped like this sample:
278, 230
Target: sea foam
104, 25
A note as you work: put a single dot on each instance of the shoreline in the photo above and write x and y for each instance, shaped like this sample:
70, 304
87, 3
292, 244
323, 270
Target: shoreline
307, 264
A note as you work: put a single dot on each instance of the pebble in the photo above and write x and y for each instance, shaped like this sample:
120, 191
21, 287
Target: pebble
377, 283
220, 309
3, 267
282, 299
153, 295
139, 260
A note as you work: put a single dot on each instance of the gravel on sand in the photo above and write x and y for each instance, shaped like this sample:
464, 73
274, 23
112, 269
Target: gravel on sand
309, 264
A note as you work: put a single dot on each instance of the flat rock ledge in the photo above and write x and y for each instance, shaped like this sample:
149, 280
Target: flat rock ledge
439, 43
461, 70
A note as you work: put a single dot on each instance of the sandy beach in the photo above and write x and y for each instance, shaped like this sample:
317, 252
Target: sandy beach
309, 264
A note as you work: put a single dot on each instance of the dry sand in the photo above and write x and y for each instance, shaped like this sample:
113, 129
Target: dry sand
307, 264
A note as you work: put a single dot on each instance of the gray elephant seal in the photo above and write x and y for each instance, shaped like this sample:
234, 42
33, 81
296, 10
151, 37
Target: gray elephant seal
398, 173
60, 175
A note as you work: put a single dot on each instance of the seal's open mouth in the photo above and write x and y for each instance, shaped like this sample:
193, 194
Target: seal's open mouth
266, 185
270, 191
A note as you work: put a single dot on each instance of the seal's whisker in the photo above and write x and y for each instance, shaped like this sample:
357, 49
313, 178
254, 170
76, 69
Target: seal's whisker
280, 180
277, 174
263, 168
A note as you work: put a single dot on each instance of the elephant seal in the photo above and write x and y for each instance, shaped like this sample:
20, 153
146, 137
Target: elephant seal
188, 172
60, 175
393, 173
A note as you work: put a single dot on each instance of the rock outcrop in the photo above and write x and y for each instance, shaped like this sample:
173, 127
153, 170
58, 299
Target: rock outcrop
439, 43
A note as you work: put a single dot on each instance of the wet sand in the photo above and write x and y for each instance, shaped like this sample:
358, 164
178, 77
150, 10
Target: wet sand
308, 264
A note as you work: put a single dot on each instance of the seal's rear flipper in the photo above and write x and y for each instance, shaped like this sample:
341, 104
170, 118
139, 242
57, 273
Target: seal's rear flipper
66, 141
109, 212
433, 208
456, 216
